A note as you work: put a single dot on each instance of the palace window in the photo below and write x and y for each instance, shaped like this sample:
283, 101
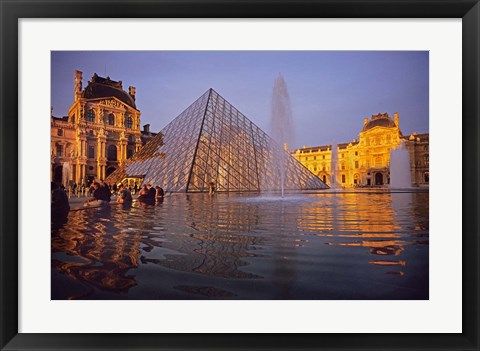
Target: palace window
91, 151
112, 153
131, 138
90, 133
60, 132
128, 122
129, 152
111, 119
90, 116
323, 157
314, 157
343, 178
59, 150
356, 164
72, 119
356, 153
343, 165
378, 161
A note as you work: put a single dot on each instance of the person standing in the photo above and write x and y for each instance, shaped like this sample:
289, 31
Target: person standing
151, 194
124, 195
211, 188
160, 192
59, 204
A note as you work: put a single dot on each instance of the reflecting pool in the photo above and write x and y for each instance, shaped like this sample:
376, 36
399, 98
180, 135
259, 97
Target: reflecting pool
325, 245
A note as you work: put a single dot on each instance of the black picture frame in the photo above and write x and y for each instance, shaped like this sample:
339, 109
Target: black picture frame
11, 11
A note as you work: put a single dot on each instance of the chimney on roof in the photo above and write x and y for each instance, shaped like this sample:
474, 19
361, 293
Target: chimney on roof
132, 91
395, 118
77, 84
146, 128
365, 121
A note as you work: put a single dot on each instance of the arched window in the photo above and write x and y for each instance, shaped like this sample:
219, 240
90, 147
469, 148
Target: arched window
90, 116
112, 153
128, 122
111, 119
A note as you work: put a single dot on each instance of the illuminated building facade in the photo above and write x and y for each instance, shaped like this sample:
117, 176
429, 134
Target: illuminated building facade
366, 161
101, 131
212, 142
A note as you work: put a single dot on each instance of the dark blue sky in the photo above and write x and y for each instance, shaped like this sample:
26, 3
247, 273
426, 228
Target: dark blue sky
330, 91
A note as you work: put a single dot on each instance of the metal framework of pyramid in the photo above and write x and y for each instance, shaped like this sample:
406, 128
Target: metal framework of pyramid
211, 141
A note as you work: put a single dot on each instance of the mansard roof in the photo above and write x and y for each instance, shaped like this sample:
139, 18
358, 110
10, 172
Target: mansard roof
380, 120
100, 87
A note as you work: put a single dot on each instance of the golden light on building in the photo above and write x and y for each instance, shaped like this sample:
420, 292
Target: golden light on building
366, 161
101, 131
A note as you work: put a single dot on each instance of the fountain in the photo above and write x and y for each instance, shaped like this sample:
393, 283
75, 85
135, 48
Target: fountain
282, 125
400, 177
333, 167
65, 174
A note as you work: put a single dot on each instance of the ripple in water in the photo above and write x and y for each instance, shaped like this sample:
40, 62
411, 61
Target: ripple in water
342, 245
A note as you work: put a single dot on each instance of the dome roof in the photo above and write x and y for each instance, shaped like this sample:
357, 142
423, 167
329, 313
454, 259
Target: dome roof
100, 87
380, 120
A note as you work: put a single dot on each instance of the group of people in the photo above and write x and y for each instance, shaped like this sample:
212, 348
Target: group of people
149, 195
102, 194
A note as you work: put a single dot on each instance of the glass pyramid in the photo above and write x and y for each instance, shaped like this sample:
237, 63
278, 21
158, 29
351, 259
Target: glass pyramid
211, 141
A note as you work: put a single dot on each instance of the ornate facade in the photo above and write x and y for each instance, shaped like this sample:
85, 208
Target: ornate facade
366, 161
101, 131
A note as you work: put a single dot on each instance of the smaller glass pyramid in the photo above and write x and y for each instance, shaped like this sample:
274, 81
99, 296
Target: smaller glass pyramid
211, 141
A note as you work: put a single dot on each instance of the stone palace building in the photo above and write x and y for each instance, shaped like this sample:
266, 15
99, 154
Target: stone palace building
366, 161
101, 131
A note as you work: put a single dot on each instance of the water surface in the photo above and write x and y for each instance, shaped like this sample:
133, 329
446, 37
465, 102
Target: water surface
326, 245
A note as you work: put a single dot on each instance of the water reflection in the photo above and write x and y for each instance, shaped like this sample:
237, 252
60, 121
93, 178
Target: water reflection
313, 246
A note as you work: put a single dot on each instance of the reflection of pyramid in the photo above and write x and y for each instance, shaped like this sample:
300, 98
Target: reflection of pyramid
211, 141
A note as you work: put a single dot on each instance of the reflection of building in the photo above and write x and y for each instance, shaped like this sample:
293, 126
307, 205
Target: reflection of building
101, 131
211, 141
366, 161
